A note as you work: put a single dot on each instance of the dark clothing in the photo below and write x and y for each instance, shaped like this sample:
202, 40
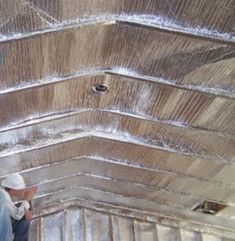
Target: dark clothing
20, 229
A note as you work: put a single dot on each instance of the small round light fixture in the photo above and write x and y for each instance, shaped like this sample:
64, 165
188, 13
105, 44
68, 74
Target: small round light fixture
100, 88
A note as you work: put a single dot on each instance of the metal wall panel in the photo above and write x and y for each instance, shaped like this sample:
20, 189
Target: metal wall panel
122, 229
168, 234
190, 236
97, 226
74, 225
86, 225
145, 231
53, 227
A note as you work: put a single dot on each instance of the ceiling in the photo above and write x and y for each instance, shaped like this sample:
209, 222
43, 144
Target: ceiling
123, 103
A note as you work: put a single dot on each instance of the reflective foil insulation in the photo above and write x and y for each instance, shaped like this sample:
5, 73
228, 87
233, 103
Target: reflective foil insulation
123, 114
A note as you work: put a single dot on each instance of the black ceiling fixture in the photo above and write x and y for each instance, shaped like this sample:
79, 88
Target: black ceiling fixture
100, 88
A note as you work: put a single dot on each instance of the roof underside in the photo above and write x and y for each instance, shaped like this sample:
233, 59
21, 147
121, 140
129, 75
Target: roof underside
158, 142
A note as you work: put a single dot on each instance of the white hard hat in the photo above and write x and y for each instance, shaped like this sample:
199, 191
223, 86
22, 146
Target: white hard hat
14, 181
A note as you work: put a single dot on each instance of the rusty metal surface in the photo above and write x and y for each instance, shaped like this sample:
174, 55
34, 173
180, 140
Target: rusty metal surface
155, 145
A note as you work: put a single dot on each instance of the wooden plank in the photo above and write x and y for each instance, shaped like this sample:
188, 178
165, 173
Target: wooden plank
130, 153
206, 18
150, 100
190, 141
154, 180
172, 58
122, 187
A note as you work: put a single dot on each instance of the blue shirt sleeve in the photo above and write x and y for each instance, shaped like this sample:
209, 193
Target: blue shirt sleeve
5, 221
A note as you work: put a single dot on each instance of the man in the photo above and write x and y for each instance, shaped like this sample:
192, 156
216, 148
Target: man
14, 185
5, 221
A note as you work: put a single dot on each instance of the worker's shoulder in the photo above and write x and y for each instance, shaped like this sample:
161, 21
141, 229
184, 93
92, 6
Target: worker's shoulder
4, 193
2, 190
1, 197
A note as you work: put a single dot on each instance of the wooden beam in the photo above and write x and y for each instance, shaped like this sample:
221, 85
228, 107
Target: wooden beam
167, 182
149, 100
178, 16
188, 141
111, 184
188, 56
124, 151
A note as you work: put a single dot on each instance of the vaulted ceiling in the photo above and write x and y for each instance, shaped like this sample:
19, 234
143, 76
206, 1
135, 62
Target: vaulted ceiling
123, 103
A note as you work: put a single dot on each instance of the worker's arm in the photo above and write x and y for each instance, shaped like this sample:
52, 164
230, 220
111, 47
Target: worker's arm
28, 215
17, 212
29, 196
29, 193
